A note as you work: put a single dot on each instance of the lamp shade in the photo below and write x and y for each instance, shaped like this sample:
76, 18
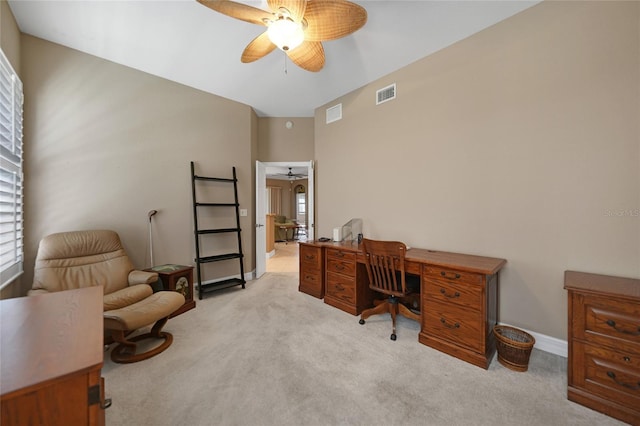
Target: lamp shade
285, 34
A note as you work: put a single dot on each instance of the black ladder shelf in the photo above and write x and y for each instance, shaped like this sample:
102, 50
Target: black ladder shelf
230, 282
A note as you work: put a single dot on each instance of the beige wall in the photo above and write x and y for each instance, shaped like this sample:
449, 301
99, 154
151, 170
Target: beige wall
277, 143
105, 144
9, 36
520, 142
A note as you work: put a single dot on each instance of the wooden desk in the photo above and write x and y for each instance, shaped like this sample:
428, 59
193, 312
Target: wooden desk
459, 293
52, 354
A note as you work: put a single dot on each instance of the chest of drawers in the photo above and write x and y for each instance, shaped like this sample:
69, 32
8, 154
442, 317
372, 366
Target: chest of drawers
604, 344
459, 312
311, 277
347, 286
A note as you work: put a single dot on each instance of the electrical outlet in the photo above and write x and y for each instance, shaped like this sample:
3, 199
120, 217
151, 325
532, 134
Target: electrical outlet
243, 212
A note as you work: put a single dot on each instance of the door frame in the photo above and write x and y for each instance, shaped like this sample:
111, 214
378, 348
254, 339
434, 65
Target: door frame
261, 187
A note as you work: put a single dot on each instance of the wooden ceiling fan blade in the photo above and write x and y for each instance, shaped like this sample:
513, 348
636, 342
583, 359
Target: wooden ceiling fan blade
332, 19
260, 46
309, 56
295, 7
239, 11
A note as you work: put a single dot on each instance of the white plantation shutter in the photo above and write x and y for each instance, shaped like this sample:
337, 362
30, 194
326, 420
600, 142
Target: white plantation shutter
11, 179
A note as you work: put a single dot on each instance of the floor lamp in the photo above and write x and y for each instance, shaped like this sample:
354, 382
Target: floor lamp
151, 214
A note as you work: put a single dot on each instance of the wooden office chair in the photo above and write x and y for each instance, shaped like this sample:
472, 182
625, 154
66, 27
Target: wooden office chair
385, 267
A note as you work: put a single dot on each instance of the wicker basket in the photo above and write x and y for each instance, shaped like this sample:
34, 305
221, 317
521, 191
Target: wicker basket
514, 347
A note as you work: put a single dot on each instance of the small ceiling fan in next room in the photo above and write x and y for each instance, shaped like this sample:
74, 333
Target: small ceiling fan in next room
292, 176
297, 27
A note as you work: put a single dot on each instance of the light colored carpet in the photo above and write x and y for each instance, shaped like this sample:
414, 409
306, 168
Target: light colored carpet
269, 355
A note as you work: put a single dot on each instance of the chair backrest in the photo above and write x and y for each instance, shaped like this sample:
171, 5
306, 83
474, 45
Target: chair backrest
385, 266
76, 259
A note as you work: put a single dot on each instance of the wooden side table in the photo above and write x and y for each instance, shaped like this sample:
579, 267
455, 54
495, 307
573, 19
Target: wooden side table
177, 278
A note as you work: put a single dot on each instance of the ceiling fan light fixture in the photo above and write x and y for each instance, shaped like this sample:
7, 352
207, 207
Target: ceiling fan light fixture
285, 33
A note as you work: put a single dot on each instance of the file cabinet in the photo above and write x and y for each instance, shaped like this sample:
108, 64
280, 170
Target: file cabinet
347, 285
311, 277
459, 312
604, 344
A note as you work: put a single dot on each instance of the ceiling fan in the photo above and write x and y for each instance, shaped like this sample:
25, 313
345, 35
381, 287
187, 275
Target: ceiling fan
291, 175
297, 27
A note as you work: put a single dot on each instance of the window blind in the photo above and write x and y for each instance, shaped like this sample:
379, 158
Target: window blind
11, 176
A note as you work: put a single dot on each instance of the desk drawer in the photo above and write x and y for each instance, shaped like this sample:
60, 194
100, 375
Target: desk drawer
608, 373
340, 266
311, 256
311, 279
608, 321
341, 287
459, 293
349, 256
451, 275
456, 324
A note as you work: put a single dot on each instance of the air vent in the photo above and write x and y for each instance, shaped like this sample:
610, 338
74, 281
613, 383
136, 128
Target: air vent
334, 113
386, 94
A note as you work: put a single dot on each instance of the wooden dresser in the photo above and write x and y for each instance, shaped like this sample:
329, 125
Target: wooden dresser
604, 344
52, 353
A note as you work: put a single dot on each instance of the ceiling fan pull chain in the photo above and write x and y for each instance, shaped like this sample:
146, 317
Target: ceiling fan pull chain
285, 64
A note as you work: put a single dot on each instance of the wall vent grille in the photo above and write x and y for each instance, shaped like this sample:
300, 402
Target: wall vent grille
386, 94
334, 113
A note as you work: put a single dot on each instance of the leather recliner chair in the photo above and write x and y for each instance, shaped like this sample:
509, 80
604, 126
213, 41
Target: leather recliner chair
77, 259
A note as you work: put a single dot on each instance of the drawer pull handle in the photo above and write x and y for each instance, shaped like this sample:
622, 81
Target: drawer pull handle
339, 287
612, 324
340, 254
444, 274
612, 375
309, 257
106, 403
340, 267
308, 277
626, 359
444, 292
444, 321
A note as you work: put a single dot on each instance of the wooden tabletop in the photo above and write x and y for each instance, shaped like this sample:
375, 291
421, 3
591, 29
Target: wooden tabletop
49, 336
596, 283
459, 261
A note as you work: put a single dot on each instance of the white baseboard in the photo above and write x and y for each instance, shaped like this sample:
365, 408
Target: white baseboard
547, 343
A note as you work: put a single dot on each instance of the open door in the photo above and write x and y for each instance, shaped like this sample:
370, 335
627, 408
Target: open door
310, 205
261, 208
261, 217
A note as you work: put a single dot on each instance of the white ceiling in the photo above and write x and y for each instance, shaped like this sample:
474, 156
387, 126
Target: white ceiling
188, 43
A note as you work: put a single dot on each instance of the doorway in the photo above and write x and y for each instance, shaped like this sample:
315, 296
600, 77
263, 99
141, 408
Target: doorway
293, 176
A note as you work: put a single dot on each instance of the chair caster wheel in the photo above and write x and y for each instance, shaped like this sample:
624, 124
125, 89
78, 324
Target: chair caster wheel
393, 337
361, 321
